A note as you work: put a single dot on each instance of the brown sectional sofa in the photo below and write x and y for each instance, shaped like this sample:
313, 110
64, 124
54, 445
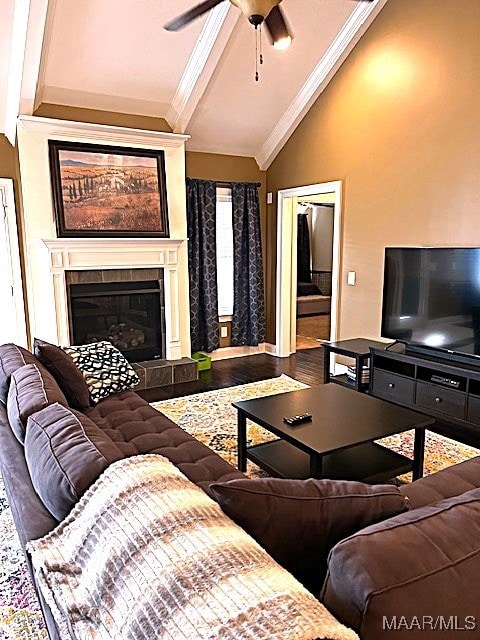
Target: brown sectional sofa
397, 574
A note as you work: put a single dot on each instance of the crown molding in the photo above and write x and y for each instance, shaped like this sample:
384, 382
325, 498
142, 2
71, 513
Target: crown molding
359, 21
203, 60
100, 132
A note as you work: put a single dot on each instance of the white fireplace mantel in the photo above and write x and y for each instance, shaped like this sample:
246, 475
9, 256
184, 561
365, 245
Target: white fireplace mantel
47, 256
56, 256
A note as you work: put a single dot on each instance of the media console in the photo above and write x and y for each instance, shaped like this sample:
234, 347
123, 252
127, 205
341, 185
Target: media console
446, 390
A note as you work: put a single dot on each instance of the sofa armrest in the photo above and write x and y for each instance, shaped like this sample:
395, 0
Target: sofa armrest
421, 566
449, 482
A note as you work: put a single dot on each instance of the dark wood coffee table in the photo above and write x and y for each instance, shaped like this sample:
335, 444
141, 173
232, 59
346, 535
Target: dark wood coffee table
338, 443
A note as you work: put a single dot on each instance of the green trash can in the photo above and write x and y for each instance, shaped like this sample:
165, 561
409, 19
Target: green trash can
204, 362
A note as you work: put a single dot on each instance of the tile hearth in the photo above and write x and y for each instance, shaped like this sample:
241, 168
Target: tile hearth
160, 373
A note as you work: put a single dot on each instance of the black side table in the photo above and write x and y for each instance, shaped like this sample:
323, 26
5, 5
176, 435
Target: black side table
356, 348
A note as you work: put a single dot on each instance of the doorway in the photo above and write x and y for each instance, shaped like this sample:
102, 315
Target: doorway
313, 316
13, 326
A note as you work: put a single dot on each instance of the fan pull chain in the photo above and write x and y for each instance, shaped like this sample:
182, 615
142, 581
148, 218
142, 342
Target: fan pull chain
258, 50
256, 53
261, 47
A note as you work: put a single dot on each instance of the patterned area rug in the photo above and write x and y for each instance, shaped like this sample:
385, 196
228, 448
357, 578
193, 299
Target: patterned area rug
209, 417
20, 617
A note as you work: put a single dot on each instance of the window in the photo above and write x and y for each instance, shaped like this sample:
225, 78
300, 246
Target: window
224, 251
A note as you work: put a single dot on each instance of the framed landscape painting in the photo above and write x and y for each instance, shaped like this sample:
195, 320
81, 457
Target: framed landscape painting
102, 191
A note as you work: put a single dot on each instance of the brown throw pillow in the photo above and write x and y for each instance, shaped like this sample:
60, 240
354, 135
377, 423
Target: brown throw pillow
69, 377
299, 521
12, 358
65, 453
31, 389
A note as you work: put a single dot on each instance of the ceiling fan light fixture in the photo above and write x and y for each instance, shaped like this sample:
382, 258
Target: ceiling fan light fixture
283, 43
255, 8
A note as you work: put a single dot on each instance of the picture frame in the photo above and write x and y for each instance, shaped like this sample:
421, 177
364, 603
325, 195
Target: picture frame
108, 191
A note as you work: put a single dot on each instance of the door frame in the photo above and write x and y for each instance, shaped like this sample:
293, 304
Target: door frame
9, 224
285, 306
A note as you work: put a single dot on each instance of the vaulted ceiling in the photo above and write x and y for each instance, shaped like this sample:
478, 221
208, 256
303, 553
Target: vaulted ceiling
115, 56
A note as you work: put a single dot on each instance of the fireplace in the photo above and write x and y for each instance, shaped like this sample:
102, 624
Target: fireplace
129, 313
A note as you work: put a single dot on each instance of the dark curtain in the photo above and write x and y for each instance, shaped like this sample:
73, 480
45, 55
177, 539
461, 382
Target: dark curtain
303, 249
248, 320
202, 264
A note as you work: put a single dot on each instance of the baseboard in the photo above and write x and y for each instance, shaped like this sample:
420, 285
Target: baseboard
271, 349
237, 352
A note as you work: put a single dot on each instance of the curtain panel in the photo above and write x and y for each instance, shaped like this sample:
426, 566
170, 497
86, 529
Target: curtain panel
248, 320
202, 264
303, 249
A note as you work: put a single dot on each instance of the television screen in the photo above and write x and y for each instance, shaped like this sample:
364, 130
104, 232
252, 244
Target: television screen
431, 297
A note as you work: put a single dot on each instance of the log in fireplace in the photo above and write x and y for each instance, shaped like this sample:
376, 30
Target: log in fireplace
128, 314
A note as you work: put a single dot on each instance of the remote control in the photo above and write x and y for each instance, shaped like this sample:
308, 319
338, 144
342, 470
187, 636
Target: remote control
300, 419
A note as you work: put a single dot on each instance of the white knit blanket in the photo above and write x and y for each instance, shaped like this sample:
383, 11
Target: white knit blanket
147, 554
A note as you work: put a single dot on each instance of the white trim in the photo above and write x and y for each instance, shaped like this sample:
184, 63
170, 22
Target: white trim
72, 254
101, 132
286, 263
37, 24
270, 348
8, 201
44, 55
186, 98
236, 352
358, 22
15, 67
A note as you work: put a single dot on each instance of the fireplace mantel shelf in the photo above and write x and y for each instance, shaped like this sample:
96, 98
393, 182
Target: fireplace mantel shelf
80, 243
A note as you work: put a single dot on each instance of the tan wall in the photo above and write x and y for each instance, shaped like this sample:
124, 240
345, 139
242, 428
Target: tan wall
96, 116
7, 159
400, 125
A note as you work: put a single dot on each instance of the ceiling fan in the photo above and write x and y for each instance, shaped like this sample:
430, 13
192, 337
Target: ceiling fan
266, 12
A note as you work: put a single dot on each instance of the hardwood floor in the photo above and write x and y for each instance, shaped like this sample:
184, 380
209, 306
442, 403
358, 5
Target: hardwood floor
311, 329
305, 366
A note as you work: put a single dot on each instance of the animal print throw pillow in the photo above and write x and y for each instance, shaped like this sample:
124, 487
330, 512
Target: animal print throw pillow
105, 369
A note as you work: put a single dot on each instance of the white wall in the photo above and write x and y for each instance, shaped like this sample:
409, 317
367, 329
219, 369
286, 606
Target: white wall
321, 237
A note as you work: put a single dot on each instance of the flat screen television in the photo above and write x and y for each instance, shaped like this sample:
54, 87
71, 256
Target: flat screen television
431, 298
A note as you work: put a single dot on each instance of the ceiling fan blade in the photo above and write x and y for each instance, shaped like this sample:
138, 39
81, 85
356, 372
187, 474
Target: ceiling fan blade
181, 21
276, 25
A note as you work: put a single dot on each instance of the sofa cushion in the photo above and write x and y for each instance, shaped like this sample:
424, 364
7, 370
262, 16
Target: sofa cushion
137, 428
299, 521
446, 483
105, 369
69, 377
423, 564
65, 452
31, 389
12, 358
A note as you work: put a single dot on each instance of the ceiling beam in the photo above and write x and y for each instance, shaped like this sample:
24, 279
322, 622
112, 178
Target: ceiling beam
201, 65
37, 26
15, 67
359, 21
29, 17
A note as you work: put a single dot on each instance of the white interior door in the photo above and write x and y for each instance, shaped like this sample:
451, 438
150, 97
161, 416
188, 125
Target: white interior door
285, 343
12, 315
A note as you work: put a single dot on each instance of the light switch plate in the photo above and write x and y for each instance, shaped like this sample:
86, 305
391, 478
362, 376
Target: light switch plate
351, 277
269, 197
224, 332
